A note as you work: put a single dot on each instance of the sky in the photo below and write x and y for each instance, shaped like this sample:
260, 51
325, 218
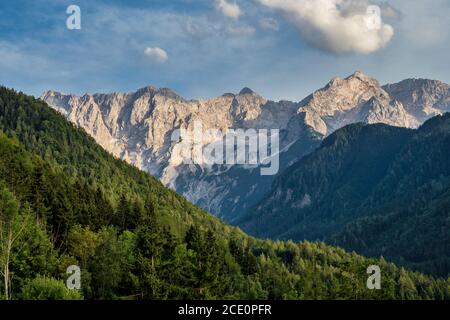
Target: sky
282, 49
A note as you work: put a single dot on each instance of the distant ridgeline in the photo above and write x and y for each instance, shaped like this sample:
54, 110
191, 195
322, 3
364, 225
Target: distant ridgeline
65, 201
375, 189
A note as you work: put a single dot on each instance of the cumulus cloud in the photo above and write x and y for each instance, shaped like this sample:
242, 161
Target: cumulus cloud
231, 10
336, 26
156, 54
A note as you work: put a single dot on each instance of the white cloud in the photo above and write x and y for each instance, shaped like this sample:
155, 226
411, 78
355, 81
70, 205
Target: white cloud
231, 10
269, 24
337, 26
156, 54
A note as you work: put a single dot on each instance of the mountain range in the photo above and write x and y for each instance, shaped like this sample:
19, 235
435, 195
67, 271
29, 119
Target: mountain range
137, 127
67, 202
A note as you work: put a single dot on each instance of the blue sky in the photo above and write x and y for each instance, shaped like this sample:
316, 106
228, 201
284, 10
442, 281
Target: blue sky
276, 47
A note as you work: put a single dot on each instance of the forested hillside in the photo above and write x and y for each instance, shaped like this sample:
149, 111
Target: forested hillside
65, 201
379, 190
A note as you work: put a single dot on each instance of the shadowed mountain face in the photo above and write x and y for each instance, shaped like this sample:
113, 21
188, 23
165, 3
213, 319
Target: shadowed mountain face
376, 189
138, 127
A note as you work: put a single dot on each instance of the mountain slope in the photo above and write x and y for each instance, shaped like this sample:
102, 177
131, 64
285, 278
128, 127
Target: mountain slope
138, 127
135, 239
372, 188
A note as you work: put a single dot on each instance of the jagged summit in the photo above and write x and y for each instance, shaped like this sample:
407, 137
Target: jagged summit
51, 93
343, 101
424, 98
421, 81
146, 89
420, 86
246, 90
359, 75
358, 78
169, 93
152, 90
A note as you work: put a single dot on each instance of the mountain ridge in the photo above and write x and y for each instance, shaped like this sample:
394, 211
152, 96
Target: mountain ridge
137, 127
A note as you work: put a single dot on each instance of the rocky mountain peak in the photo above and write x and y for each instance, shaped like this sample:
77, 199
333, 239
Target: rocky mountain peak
361, 98
50, 93
59, 101
169, 93
360, 76
146, 90
154, 91
419, 87
423, 98
246, 91
356, 79
325, 109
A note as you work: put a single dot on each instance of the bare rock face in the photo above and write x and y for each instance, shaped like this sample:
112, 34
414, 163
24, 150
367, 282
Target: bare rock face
422, 98
360, 98
138, 128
